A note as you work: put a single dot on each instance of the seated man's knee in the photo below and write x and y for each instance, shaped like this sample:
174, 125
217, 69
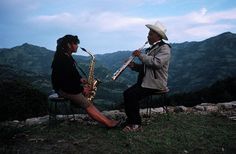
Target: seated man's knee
126, 93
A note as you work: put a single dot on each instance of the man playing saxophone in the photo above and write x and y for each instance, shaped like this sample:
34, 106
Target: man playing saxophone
68, 83
153, 74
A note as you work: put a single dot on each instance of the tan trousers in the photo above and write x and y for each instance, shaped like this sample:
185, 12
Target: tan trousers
77, 99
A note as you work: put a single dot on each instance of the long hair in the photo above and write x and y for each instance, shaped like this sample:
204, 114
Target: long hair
63, 45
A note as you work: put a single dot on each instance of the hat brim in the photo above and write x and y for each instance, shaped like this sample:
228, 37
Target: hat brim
158, 30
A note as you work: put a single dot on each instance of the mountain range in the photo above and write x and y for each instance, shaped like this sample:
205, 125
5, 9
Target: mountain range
194, 65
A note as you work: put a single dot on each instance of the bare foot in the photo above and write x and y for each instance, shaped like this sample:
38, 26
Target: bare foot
113, 124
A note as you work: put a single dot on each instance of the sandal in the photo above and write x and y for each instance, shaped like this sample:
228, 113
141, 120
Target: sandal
132, 128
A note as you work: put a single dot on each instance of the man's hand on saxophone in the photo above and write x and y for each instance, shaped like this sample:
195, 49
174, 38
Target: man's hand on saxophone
136, 53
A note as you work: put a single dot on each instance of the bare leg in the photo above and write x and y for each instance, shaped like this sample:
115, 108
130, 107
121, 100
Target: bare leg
93, 112
98, 116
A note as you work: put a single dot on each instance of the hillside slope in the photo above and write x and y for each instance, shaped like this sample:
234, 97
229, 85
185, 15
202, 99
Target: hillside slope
194, 65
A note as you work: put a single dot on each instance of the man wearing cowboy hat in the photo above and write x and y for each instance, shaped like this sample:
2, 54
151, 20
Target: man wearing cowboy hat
153, 74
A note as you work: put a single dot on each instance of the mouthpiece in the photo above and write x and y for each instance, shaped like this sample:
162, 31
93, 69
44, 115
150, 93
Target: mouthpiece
83, 49
143, 45
87, 52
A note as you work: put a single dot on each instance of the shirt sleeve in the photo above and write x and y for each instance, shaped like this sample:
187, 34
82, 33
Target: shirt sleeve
157, 61
67, 76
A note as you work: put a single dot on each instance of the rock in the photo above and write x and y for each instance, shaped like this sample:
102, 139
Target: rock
36, 121
178, 109
199, 108
32, 121
227, 109
15, 121
206, 104
233, 104
44, 119
227, 106
158, 110
232, 118
114, 114
143, 111
211, 108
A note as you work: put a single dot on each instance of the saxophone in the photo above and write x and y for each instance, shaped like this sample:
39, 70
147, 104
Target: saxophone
92, 83
123, 67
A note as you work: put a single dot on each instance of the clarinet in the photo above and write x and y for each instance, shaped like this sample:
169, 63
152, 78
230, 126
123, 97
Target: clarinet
123, 67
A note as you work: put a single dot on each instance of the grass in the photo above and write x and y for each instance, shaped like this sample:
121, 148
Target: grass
180, 133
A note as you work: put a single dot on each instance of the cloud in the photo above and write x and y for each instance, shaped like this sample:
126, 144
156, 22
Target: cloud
62, 18
224, 15
195, 25
207, 30
110, 21
200, 24
203, 17
100, 21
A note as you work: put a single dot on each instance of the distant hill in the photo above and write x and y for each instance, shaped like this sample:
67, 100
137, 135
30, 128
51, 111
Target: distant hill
194, 65
220, 91
40, 82
36, 59
27, 57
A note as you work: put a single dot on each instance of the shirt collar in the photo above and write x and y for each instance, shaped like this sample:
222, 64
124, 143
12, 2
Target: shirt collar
155, 43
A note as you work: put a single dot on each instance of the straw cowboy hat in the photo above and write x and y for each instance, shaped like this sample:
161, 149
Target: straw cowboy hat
159, 28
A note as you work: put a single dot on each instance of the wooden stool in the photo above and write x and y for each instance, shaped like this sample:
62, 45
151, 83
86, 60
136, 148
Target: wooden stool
162, 94
53, 100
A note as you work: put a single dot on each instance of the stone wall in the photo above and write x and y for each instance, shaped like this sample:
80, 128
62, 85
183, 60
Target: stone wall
227, 109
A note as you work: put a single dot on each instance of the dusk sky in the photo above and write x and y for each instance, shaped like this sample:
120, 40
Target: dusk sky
106, 26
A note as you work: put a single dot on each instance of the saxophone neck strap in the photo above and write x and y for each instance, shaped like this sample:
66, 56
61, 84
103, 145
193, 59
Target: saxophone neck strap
81, 70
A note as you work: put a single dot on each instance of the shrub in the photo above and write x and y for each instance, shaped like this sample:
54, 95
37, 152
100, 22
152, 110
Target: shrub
19, 100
